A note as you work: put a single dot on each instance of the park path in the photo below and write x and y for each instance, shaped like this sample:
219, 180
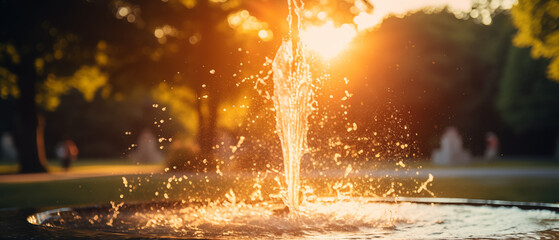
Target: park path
448, 173
80, 172
473, 172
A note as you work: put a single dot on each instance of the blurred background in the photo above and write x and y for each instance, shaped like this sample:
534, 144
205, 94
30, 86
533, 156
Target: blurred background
140, 86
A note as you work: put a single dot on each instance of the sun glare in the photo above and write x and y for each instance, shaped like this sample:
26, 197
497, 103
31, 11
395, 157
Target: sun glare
328, 40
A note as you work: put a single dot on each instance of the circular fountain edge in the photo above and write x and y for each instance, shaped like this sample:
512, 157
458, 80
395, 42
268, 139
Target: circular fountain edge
41, 217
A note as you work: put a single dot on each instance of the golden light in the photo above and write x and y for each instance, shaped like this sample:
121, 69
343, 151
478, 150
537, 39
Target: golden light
366, 19
265, 35
158, 33
243, 22
328, 40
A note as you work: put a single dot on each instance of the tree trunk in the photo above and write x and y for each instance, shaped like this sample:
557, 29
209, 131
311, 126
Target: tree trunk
201, 105
211, 129
207, 119
27, 135
207, 107
557, 147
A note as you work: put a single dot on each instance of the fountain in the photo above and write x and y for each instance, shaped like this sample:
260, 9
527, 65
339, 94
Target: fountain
292, 102
297, 212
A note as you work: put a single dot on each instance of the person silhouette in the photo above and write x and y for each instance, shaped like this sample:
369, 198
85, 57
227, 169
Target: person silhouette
67, 152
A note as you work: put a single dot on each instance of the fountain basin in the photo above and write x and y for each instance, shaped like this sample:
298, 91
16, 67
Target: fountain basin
401, 218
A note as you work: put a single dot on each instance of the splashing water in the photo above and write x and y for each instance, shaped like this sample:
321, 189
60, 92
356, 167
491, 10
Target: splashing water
325, 218
292, 102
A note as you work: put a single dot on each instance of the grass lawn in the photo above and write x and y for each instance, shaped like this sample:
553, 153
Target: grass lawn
140, 187
499, 188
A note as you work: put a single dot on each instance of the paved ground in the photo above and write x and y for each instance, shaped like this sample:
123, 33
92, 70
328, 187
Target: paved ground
473, 172
530, 172
80, 172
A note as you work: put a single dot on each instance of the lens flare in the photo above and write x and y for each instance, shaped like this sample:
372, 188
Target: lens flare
327, 40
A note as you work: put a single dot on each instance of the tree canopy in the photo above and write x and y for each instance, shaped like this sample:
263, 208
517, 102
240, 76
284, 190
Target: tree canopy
538, 27
118, 46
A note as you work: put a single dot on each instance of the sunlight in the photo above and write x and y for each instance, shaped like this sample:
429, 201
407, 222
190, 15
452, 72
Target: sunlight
462, 9
246, 23
328, 40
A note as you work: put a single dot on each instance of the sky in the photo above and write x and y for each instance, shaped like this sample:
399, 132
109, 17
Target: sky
331, 38
461, 8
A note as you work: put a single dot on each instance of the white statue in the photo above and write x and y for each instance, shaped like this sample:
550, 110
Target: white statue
8, 150
451, 151
147, 150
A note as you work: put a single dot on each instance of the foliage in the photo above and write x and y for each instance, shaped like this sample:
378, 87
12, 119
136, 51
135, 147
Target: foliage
87, 80
57, 67
9, 84
129, 45
431, 70
180, 101
233, 112
538, 27
527, 100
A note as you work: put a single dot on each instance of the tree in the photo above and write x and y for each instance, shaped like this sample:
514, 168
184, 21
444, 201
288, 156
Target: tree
435, 70
121, 45
204, 46
538, 27
527, 100
40, 59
